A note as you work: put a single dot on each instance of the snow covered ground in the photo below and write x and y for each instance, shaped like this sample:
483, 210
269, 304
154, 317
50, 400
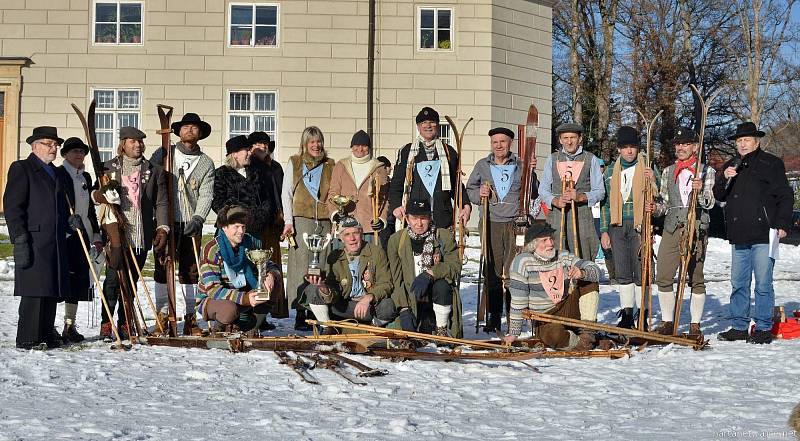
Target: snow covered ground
732, 390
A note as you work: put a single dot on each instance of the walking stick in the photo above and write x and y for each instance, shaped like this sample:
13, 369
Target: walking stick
375, 204
482, 264
97, 284
691, 217
146, 290
574, 214
647, 231
138, 304
563, 217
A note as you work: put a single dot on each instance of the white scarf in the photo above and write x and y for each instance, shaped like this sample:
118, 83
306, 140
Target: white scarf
444, 170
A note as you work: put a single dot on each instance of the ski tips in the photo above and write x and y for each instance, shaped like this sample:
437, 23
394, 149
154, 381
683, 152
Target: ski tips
164, 106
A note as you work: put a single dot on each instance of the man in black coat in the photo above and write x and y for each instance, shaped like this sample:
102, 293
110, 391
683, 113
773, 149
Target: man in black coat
434, 168
37, 217
78, 186
758, 212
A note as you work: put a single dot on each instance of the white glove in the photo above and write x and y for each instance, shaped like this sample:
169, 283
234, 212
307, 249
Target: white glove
112, 196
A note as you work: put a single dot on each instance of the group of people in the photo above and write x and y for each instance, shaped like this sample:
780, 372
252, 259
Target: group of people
371, 271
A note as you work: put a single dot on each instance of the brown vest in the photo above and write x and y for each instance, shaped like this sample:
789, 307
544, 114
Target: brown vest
303, 204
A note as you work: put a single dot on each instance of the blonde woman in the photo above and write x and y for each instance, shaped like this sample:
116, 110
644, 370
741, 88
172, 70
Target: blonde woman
306, 182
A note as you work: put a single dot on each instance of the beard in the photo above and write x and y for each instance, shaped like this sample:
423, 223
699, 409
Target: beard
546, 255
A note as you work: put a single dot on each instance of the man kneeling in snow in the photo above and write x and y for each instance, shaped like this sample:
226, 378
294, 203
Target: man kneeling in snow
229, 279
357, 285
540, 281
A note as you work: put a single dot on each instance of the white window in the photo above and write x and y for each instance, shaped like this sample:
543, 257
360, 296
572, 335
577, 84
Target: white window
118, 22
444, 132
253, 25
115, 108
435, 29
252, 111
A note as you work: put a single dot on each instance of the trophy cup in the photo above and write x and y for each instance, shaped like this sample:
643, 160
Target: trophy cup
315, 243
340, 201
260, 258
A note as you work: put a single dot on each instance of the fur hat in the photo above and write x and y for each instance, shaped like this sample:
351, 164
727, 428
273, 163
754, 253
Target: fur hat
74, 143
627, 135
237, 143
537, 230
257, 137
233, 214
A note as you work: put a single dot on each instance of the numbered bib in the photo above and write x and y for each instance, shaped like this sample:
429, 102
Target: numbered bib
429, 173
311, 179
503, 177
570, 170
553, 283
685, 185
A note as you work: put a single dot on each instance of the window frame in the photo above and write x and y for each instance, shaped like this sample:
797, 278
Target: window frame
252, 113
418, 28
252, 45
118, 23
115, 112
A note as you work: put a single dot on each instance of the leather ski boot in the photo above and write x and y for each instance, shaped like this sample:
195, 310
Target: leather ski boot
665, 328
493, 325
694, 329
586, 341
163, 321
70, 334
626, 318
105, 332
300, 321
190, 326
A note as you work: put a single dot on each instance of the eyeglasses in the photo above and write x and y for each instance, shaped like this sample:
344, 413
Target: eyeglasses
52, 145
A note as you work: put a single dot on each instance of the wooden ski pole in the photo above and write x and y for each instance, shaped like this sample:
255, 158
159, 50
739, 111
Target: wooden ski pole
563, 217
138, 304
576, 243
481, 313
375, 206
97, 284
146, 290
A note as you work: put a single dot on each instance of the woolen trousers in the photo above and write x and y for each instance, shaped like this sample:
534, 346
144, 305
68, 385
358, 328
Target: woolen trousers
37, 316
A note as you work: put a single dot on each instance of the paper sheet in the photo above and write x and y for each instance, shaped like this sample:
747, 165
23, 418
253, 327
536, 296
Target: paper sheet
774, 241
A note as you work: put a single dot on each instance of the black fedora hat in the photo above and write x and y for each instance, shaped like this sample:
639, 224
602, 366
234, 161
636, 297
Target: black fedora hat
192, 118
44, 132
746, 129
237, 143
73, 143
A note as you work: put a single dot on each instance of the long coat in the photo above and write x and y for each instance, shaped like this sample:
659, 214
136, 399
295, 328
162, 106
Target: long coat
152, 197
255, 192
759, 198
35, 205
401, 263
78, 266
343, 182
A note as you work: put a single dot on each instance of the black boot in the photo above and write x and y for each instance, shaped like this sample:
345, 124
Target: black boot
494, 323
636, 319
626, 320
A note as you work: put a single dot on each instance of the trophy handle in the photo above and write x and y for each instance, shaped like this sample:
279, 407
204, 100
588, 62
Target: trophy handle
305, 240
327, 240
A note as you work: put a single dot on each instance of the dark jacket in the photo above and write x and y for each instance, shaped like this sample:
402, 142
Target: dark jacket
442, 205
254, 192
36, 207
152, 197
759, 198
79, 281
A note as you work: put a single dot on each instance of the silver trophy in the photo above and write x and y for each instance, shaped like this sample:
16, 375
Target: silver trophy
315, 243
260, 258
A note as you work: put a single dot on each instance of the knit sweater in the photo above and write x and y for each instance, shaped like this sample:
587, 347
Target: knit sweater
215, 284
527, 290
198, 186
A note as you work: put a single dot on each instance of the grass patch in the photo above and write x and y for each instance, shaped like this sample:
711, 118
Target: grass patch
6, 248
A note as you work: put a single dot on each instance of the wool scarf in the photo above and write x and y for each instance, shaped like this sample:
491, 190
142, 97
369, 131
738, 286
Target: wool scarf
427, 239
637, 190
237, 262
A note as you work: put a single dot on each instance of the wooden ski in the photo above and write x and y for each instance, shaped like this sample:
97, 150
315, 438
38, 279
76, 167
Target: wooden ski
459, 190
402, 354
695, 343
363, 370
164, 117
300, 367
332, 365
646, 251
88, 123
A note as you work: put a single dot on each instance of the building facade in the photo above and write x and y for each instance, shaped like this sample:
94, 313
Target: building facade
273, 66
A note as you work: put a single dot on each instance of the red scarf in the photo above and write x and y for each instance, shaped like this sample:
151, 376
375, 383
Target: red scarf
687, 164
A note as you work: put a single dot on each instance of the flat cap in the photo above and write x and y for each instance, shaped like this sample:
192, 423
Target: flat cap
501, 130
569, 128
